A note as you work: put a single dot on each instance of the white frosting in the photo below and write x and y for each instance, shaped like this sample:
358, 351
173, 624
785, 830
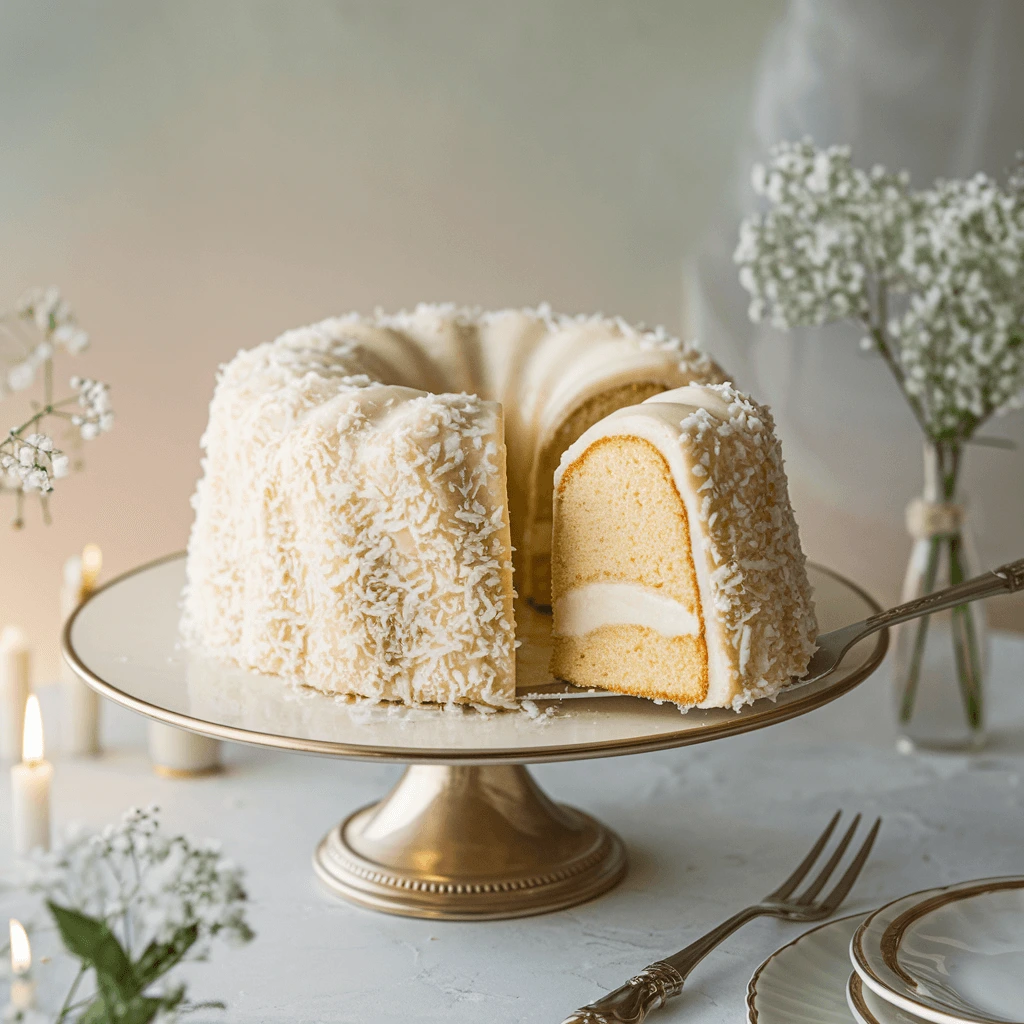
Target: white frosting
593, 605
692, 396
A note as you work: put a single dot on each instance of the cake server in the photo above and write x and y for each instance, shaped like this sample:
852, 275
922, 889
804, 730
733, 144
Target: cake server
832, 646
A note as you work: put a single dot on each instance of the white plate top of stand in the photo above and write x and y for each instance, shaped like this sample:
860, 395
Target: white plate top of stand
124, 642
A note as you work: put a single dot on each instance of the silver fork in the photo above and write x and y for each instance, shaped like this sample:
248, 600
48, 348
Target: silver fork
1007, 579
663, 979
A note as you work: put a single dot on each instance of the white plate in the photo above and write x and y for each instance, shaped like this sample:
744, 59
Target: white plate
867, 1008
953, 955
124, 642
805, 981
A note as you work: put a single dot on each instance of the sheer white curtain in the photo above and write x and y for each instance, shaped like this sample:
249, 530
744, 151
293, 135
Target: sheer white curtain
933, 86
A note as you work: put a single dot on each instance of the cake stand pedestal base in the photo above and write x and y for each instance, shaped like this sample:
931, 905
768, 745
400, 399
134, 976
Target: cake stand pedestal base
465, 843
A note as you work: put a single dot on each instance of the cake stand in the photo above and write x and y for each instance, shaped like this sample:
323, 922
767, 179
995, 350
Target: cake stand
466, 834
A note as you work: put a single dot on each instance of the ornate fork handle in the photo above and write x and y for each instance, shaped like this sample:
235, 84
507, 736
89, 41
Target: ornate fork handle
656, 984
1007, 579
631, 1003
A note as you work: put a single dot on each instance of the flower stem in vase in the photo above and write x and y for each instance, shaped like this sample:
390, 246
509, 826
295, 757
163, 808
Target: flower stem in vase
921, 635
965, 641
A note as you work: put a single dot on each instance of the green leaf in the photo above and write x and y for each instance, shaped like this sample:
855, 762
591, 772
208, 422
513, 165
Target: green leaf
140, 1010
92, 941
159, 957
95, 1013
173, 999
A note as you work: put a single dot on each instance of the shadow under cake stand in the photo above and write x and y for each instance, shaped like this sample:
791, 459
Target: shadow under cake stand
466, 834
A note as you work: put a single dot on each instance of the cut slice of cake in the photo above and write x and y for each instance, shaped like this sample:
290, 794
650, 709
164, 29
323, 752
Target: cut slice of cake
677, 571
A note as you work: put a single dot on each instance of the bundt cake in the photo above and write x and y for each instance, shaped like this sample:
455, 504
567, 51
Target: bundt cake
677, 568
369, 482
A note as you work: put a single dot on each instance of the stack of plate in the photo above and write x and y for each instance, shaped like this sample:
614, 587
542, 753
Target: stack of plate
953, 955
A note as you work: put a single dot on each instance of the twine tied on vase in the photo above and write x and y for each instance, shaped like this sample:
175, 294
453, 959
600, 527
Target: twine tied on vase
927, 519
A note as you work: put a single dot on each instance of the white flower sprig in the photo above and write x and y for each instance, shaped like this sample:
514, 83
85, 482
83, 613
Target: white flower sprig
935, 277
41, 324
145, 883
94, 399
163, 898
34, 462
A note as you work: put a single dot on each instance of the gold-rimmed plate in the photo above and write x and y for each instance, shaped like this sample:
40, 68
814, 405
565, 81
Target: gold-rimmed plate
952, 955
809, 979
868, 1008
124, 642
805, 980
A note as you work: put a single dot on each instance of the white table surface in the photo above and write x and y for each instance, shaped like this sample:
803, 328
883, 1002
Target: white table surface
709, 829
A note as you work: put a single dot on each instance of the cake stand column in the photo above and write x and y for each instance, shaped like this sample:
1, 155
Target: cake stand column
469, 843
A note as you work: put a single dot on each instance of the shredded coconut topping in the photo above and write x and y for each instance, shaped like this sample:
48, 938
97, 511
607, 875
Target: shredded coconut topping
756, 564
352, 526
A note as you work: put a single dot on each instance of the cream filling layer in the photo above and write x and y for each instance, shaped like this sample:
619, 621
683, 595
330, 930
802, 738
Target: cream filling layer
593, 605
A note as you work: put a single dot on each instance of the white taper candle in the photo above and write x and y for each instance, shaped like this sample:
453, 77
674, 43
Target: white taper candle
30, 787
15, 686
23, 988
81, 702
178, 753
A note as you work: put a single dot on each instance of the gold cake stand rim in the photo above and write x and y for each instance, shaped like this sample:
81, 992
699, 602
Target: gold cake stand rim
741, 722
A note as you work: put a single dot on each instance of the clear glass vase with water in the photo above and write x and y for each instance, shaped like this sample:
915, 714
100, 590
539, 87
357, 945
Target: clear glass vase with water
940, 660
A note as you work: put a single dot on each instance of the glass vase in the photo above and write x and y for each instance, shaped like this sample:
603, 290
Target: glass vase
940, 662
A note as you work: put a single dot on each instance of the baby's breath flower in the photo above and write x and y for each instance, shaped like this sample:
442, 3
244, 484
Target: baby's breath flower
146, 884
42, 323
936, 276
21, 376
31, 463
72, 337
150, 888
45, 308
40, 442
94, 400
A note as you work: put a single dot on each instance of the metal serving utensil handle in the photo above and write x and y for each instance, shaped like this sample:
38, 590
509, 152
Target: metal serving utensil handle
833, 646
630, 1003
656, 984
1007, 579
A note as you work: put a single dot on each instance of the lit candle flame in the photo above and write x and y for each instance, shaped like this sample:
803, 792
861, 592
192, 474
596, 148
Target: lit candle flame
92, 563
21, 951
32, 737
